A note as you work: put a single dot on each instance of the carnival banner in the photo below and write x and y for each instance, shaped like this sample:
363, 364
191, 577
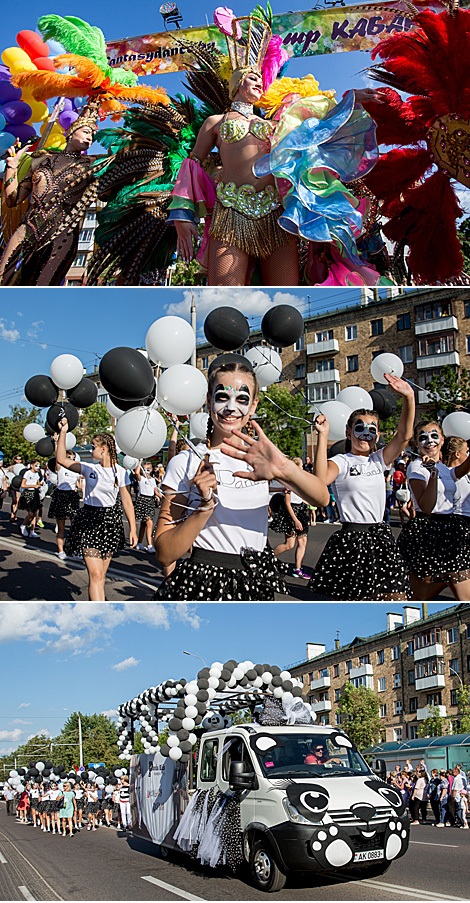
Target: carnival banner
316, 31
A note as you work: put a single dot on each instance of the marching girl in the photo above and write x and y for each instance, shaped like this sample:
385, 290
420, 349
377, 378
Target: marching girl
145, 504
91, 806
34, 802
55, 800
44, 808
455, 453
293, 520
65, 500
361, 560
97, 530
15, 494
78, 811
435, 543
30, 499
224, 519
108, 805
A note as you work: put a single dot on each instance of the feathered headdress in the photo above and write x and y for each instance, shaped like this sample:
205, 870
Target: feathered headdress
251, 46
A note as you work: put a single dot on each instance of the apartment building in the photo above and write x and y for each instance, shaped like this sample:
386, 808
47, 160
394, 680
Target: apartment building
414, 664
86, 244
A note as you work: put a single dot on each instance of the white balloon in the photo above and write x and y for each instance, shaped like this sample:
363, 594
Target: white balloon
192, 687
129, 463
190, 711
113, 409
191, 699
182, 389
70, 441
386, 363
188, 724
173, 741
355, 397
141, 432
33, 432
40, 766
66, 371
338, 415
17, 469
170, 341
198, 425
266, 363
457, 424
175, 753
13, 773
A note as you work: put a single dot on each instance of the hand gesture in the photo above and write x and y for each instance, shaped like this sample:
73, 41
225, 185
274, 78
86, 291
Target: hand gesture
184, 245
321, 425
400, 386
63, 425
263, 456
205, 481
365, 95
429, 464
15, 155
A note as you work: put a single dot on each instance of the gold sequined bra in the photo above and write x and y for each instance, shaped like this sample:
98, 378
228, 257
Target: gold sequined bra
232, 130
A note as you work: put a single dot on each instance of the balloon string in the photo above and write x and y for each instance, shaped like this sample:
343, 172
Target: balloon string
292, 416
296, 389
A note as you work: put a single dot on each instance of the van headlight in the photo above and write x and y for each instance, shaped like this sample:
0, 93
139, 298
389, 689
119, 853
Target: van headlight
294, 815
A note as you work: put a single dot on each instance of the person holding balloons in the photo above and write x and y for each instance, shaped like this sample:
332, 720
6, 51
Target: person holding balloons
435, 543
147, 493
97, 531
30, 499
65, 500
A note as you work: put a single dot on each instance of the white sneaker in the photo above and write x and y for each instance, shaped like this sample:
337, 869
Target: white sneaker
62, 556
150, 549
56, 529
34, 535
140, 547
24, 530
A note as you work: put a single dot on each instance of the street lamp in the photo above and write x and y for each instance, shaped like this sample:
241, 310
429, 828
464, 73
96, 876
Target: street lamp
195, 656
457, 675
170, 13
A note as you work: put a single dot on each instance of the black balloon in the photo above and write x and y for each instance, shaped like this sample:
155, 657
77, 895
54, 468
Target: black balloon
60, 410
126, 374
282, 325
230, 358
338, 448
48, 429
385, 403
52, 462
226, 328
83, 395
41, 391
127, 404
45, 446
16, 481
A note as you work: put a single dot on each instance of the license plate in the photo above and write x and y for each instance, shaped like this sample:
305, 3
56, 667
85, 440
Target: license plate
367, 855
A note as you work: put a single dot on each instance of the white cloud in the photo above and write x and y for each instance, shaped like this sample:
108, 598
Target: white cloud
44, 732
34, 330
10, 334
110, 713
20, 721
11, 735
24, 705
253, 302
126, 663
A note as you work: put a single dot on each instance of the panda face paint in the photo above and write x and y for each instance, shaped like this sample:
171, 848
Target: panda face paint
231, 404
429, 438
365, 432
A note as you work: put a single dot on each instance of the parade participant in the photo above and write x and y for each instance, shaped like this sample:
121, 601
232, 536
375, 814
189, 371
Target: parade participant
30, 499
15, 494
147, 493
65, 500
225, 520
23, 806
55, 804
91, 806
108, 805
293, 519
67, 809
44, 807
435, 543
97, 530
34, 800
78, 810
455, 453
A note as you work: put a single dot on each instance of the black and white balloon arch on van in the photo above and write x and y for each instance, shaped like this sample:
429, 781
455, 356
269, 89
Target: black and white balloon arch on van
205, 702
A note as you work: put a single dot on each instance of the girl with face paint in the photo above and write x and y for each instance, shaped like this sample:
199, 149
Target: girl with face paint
207, 509
435, 543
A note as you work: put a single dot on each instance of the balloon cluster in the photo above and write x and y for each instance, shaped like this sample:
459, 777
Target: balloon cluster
185, 706
42, 391
47, 772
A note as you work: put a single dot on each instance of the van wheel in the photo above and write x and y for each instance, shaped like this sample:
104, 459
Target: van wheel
265, 871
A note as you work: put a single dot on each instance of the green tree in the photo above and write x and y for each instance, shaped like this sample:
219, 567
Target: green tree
463, 702
434, 725
463, 233
276, 411
187, 273
96, 419
11, 432
448, 391
359, 708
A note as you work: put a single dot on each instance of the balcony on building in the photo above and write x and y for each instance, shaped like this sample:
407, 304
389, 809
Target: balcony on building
441, 324
323, 706
443, 359
361, 671
427, 710
321, 684
330, 346
434, 651
432, 682
322, 377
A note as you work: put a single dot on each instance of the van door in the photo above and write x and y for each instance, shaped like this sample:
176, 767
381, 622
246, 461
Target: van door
207, 766
236, 750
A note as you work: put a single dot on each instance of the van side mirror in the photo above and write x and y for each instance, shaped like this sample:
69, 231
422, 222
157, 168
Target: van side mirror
380, 769
239, 779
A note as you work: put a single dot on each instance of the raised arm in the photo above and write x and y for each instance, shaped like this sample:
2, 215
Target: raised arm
61, 451
15, 193
405, 424
325, 470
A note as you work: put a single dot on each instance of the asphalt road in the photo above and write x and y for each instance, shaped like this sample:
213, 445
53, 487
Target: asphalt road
109, 865
31, 571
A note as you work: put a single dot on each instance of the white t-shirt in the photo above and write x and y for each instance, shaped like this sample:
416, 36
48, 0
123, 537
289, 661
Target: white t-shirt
462, 494
31, 477
445, 485
147, 486
240, 518
295, 499
67, 479
359, 488
54, 794
100, 490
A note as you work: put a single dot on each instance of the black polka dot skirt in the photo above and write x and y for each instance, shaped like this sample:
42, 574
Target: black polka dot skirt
251, 576
30, 500
361, 564
96, 532
64, 503
144, 507
437, 548
283, 523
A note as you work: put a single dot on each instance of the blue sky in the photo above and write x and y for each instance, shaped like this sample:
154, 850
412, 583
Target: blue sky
38, 324
59, 658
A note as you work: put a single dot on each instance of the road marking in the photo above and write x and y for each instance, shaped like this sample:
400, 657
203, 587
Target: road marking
26, 893
428, 843
419, 894
2, 859
29, 864
174, 890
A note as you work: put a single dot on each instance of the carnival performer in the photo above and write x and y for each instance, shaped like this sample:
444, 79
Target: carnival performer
30, 499
224, 519
97, 531
435, 543
65, 500
293, 519
361, 560
61, 187
250, 216
145, 507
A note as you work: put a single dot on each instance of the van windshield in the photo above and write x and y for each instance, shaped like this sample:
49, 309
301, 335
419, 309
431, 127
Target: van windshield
302, 755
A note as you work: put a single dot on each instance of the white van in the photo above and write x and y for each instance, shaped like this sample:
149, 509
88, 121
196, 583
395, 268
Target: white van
307, 799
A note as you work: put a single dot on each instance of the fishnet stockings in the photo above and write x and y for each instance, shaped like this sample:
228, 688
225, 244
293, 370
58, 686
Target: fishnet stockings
231, 266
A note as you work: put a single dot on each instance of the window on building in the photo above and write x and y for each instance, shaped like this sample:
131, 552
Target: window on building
337, 695
433, 310
324, 719
322, 393
380, 656
382, 684
454, 667
86, 235
452, 635
438, 344
453, 697
434, 698
430, 667
410, 647
80, 260
337, 718
377, 327
300, 371
325, 335
413, 705
411, 677
323, 366
403, 321
300, 344
406, 353
467, 308
467, 344
427, 638
364, 659
467, 631
395, 653
398, 734
350, 332
468, 662
398, 707
376, 354
205, 363
383, 711
397, 679
352, 363
412, 732
348, 666
336, 670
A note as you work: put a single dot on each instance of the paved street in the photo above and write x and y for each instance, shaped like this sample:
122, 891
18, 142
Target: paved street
108, 865
30, 569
